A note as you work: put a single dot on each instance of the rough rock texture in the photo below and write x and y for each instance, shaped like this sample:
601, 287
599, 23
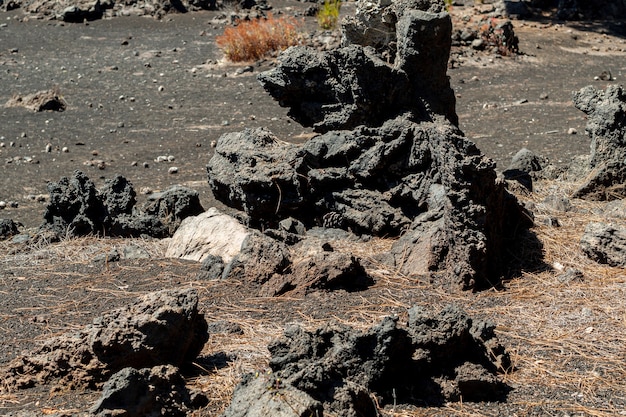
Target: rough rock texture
390, 161
76, 208
40, 101
424, 180
605, 243
606, 171
276, 268
157, 391
8, 228
161, 328
354, 85
430, 360
173, 205
211, 233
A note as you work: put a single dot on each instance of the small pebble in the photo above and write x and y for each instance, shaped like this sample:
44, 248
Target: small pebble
146, 165
65, 149
572, 131
133, 164
161, 88
49, 148
3, 205
172, 170
171, 158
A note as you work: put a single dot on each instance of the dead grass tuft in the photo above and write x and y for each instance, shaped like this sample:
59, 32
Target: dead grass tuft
255, 39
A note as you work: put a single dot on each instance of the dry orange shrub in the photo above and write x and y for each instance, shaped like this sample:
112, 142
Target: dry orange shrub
254, 39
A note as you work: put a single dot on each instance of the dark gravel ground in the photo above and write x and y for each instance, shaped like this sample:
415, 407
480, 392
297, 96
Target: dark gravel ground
110, 73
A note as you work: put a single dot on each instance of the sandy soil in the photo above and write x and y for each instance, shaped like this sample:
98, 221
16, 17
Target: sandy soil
139, 88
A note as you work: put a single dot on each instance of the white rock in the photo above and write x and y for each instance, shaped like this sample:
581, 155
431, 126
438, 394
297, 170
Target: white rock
210, 233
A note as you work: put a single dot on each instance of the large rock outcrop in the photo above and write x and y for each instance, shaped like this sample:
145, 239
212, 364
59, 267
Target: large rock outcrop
605, 177
354, 86
337, 370
386, 164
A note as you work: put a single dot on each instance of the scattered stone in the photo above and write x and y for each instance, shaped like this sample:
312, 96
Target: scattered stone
160, 328
172, 170
9, 228
572, 131
337, 370
211, 233
156, 391
605, 243
41, 101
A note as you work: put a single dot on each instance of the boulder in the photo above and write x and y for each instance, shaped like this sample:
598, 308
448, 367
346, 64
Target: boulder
606, 126
77, 208
424, 181
161, 328
605, 243
210, 233
156, 391
431, 359
8, 228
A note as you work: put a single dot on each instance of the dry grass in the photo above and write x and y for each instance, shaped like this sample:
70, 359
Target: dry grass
567, 338
255, 39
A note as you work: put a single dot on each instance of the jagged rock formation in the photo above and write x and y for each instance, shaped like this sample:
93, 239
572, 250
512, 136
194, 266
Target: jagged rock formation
77, 208
337, 370
605, 176
387, 165
354, 86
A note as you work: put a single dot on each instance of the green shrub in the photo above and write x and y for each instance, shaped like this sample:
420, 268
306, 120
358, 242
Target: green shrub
328, 15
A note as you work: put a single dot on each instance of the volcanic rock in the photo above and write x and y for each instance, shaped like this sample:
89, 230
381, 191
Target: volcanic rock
76, 208
606, 169
161, 328
431, 359
605, 243
390, 160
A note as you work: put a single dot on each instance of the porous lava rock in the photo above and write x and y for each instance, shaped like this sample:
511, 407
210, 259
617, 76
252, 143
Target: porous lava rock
354, 86
8, 228
335, 369
77, 208
605, 243
390, 160
156, 391
605, 174
161, 328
